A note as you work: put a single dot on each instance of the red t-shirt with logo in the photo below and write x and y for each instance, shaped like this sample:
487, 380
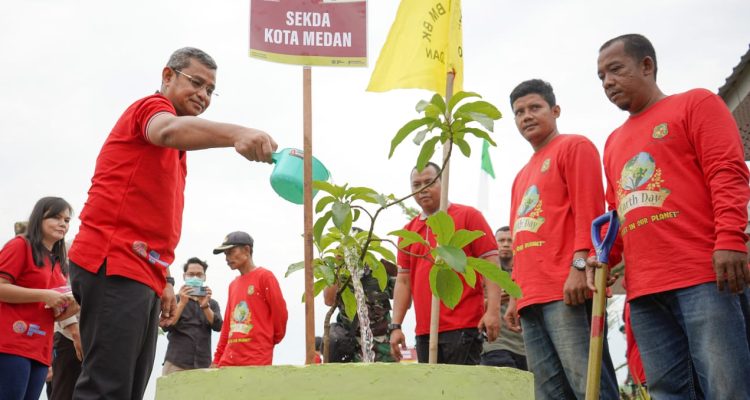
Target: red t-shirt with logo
470, 309
133, 215
554, 198
255, 320
677, 176
26, 329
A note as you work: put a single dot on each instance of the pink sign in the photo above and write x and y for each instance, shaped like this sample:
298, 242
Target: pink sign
309, 32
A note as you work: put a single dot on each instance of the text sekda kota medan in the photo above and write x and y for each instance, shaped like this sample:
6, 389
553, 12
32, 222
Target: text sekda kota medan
291, 37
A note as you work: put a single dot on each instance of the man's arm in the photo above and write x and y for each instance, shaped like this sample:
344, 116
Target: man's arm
279, 312
401, 303
193, 133
218, 322
490, 321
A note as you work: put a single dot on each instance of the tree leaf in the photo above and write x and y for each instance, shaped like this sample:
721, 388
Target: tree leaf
453, 256
439, 103
480, 134
470, 276
382, 200
463, 237
294, 267
463, 146
494, 273
320, 224
442, 226
359, 190
327, 273
377, 269
346, 227
480, 107
385, 253
484, 120
428, 149
457, 97
340, 210
449, 287
419, 137
405, 130
333, 190
350, 303
318, 287
322, 203
356, 215
407, 237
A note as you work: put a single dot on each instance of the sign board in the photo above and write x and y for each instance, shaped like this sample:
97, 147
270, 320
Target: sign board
309, 32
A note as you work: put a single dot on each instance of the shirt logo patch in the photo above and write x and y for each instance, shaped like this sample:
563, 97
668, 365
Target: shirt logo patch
19, 327
660, 131
545, 165
250, 290
529, 211
241, 317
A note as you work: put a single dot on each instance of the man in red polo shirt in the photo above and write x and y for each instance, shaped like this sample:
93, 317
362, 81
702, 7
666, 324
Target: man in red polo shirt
460, 340
676, 176
131, 224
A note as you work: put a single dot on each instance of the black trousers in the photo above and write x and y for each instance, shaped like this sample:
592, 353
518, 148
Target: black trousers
65, 369
461, 346
119, 326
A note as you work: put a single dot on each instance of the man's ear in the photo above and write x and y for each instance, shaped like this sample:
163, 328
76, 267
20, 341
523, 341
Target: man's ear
648, 66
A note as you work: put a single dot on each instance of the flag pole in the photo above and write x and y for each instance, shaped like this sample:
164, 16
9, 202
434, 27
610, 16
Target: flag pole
444, 182
307, 200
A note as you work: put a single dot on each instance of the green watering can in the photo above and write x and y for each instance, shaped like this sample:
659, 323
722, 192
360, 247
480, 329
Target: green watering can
287, 178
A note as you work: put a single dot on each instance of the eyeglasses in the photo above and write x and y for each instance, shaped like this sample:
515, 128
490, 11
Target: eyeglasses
195, 275
198, 84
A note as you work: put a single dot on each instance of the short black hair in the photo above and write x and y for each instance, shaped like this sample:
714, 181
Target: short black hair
534, 86
195, 260
429, 164
636, 46
503, 229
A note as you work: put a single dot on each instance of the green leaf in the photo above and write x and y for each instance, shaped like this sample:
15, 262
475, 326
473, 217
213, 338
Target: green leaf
322, 203
463, 237
356, 215
359, 190
377, 269
428, 149
350, 304
318, 287
382, 200
480, 107
448, 287
480, 134
419, 137
442, 226
333, 190
438, 102
457, 97
327, 272
453, 256
494, 273
340, 211
408, 128
320, 224
470, 276
429, 109
346, 227
294, 267
366, 197
408, 237
484, 120
463, 146
387, 254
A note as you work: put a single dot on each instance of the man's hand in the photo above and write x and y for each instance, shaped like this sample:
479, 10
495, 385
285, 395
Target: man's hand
731, 267
256, 145
490, 323
70, 310
203, 301
591, 265
185, 296
575, 290
398, 342
75, 333
168, 307
511, 317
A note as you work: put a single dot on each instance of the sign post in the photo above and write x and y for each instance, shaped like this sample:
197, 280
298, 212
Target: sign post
309, 32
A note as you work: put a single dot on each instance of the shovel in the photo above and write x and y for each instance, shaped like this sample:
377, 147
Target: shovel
598, 318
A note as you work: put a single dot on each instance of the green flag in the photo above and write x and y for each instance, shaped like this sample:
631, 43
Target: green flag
486, 160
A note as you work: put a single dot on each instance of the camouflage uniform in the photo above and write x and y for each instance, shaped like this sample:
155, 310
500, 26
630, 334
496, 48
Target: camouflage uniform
379, 305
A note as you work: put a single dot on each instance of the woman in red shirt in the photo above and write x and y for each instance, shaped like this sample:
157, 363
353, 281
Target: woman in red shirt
33, 294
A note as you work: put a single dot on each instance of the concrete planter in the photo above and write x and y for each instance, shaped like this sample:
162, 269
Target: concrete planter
349, 381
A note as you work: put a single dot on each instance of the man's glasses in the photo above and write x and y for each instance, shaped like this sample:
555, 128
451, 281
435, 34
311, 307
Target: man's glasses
195, 275
198, 84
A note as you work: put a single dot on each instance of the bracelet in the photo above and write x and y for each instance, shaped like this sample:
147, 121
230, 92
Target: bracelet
170, 280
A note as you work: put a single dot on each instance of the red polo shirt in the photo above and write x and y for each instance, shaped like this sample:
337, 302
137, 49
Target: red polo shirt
133, 215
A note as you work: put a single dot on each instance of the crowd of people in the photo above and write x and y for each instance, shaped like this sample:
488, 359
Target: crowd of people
674, 172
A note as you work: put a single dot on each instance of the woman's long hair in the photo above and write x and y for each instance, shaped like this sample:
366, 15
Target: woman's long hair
47, 207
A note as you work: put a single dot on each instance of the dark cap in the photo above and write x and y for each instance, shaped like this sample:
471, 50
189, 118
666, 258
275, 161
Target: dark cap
238, 238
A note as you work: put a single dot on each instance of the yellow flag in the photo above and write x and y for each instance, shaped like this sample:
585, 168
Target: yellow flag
424, 44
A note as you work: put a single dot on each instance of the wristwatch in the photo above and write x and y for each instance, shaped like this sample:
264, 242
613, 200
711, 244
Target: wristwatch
170, 280
393, 327
579, 264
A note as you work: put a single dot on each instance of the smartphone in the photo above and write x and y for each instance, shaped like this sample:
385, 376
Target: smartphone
199, 291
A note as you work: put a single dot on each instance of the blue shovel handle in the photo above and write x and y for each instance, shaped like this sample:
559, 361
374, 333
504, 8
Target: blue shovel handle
604, 246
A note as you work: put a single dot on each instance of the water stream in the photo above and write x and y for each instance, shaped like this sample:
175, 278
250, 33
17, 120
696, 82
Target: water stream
351, 258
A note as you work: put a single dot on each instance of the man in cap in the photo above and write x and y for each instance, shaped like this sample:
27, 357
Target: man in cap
256, 312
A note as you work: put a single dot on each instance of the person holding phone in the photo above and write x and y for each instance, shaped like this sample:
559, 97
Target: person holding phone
197, 315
